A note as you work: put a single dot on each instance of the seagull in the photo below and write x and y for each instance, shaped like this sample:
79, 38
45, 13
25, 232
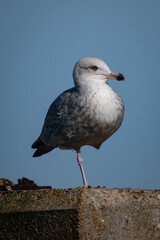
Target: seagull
87, 114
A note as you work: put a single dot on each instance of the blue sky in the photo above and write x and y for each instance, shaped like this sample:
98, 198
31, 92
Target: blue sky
39, 44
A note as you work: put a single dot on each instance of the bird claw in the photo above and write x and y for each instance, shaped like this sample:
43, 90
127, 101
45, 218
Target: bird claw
98, 187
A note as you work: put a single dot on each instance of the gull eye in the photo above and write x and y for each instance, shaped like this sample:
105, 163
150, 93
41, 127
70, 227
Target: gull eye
94, 68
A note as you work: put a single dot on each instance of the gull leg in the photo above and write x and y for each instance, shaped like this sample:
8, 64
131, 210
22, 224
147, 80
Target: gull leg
80, 163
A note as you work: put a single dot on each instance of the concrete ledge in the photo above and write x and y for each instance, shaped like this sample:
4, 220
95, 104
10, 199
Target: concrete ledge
85, 214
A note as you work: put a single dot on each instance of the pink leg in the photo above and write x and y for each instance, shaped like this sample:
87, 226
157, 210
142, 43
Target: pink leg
80, 162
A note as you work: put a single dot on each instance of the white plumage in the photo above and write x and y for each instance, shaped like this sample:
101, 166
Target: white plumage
87, 114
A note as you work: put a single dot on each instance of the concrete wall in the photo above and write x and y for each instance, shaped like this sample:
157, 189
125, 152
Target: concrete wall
85, 214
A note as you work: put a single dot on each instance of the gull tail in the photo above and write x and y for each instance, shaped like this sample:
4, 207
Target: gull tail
42, 148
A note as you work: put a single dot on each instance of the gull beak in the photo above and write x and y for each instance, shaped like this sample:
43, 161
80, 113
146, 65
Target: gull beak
117, 76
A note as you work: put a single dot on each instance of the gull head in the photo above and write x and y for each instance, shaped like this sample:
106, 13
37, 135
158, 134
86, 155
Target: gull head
91, 69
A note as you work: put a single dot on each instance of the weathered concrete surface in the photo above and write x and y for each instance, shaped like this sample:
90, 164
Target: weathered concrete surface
85, 214
120, 214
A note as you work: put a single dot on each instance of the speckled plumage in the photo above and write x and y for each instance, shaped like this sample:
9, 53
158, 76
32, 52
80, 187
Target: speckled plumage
87, 114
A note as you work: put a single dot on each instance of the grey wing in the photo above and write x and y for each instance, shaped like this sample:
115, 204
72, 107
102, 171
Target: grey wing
50, 136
